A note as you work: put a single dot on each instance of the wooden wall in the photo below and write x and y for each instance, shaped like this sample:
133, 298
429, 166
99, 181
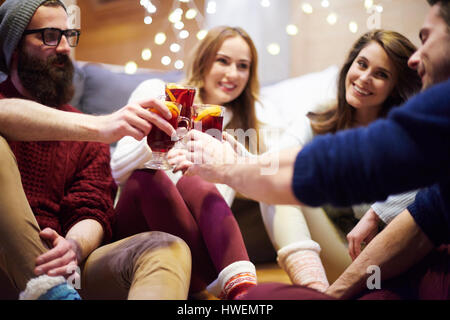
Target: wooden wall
115, 33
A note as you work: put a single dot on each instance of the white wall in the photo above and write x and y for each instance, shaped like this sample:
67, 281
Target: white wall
264, 25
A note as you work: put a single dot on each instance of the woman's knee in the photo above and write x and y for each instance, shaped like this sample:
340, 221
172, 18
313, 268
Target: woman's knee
151, 184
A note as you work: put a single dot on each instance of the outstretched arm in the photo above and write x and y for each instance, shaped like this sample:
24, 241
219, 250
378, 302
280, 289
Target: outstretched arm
25, 120
266, 178
399, 246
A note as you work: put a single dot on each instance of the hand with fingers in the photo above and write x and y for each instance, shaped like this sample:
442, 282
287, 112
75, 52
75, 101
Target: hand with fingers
63, 257
136, 120
203, 155
362, 233
237, 147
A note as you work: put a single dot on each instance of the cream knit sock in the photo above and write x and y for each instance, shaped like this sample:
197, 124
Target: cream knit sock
234, 280
302, 263
49, 288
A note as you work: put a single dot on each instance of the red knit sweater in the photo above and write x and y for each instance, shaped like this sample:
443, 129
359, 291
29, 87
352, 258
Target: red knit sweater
65, 182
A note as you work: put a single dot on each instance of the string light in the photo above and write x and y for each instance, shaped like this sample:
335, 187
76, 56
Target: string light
175, 16
201, 34
179, 64
265, 3
146, 54
332, 18
273, 49
184, 34
307, 8
160, 38
353, 27
191, 14
212, 7
291, 29
131, 67
180, 9
179, 25
368, 4
325, 3
166, 60
175, 47
148, 20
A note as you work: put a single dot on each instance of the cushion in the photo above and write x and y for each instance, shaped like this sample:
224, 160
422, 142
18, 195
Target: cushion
78, 83
106, 91
302, 94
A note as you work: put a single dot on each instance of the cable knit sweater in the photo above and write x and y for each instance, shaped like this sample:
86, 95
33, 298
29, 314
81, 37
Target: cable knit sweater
65, 181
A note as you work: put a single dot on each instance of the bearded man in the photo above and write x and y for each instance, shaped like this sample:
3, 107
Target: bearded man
56, 197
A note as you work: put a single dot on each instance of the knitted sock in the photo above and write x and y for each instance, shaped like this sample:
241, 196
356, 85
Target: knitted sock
49, 288
302, 263
234, 281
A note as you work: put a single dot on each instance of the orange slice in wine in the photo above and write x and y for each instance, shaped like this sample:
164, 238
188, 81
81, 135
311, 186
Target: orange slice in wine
213, 111
172, 107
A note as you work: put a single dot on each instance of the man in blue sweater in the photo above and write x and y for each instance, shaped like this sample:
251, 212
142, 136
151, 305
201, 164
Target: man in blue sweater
410, 149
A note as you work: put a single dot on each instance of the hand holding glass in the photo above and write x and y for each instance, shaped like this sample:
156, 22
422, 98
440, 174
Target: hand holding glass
183, 95
160, 142
208, 118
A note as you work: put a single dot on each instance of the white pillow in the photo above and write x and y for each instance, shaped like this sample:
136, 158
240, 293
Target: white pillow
297, 96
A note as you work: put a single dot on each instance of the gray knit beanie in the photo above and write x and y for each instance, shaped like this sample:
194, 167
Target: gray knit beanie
15, 15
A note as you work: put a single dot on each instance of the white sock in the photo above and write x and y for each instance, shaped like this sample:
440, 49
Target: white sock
36, 287
302, 263
232, 276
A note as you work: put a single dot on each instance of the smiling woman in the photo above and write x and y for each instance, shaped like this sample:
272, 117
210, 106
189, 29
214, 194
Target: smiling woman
378, 58
223, 70
374, 79
369, 82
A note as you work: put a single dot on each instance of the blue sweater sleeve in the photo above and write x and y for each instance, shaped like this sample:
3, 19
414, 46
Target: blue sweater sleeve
428, 210
408, 150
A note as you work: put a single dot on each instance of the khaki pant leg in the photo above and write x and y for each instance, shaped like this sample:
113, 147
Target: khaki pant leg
334, 254
20, 243
150, 265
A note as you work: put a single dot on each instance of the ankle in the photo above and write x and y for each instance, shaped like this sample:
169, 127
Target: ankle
302, 263
237, 286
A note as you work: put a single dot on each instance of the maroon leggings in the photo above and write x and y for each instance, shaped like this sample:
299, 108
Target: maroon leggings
427, 280
193, 210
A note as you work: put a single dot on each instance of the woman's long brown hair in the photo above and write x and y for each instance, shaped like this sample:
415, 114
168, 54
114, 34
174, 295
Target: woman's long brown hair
203, 57
399, 49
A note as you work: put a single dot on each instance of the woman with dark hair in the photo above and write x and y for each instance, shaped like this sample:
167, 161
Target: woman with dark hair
224, 71
401, 84
374, 78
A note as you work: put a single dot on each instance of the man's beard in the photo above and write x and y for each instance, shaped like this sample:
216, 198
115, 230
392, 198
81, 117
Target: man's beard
46, 82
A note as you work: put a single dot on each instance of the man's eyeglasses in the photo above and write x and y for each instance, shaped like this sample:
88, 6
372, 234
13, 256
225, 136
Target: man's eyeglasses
52, 36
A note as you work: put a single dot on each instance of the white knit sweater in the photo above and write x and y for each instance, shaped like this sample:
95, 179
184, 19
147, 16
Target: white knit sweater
131, 154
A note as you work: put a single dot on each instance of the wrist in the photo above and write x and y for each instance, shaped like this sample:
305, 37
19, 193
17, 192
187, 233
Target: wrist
85, 128
373, 216
76, 248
